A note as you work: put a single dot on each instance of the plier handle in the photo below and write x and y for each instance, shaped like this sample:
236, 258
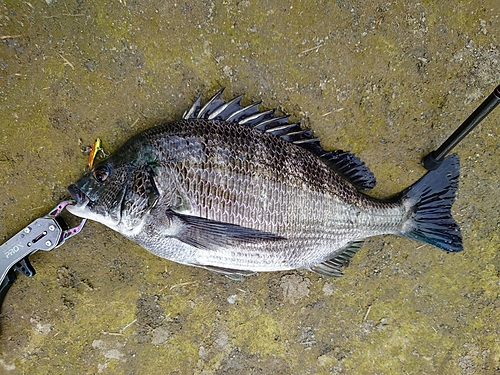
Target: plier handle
45, 233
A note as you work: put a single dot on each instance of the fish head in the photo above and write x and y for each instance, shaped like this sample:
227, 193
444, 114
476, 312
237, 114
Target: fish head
117, 191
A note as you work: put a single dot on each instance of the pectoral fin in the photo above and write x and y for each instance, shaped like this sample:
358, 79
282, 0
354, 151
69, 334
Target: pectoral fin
209, 234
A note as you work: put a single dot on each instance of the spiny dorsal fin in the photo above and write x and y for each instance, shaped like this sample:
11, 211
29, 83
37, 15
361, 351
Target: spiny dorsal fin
335, 266
344, 162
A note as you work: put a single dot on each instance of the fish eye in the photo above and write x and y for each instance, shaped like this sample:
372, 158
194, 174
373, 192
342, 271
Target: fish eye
101, 174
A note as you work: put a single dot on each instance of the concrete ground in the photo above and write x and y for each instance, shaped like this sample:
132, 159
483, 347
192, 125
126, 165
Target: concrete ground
386, 80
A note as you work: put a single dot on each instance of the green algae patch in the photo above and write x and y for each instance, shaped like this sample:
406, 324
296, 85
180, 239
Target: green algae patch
257, 332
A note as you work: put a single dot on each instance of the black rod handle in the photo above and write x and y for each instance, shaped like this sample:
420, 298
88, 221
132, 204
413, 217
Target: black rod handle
5, 285
435, 158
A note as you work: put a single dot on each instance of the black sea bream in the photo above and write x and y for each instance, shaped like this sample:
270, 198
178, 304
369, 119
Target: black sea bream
238, 191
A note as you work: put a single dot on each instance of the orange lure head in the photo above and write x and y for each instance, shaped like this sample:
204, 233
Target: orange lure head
93, 152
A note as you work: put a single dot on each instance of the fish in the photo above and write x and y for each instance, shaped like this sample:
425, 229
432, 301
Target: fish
238, 191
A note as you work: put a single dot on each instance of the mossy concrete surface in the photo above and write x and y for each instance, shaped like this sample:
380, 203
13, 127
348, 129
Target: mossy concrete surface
386, 80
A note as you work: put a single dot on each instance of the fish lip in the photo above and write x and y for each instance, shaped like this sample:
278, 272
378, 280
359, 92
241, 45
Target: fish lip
79, 196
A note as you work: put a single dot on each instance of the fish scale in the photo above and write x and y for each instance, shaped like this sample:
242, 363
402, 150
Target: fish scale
239, 191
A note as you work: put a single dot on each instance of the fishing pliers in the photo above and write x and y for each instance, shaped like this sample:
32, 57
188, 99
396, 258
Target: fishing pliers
45, 233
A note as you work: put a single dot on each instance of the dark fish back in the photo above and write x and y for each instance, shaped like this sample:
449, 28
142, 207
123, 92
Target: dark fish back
240, 175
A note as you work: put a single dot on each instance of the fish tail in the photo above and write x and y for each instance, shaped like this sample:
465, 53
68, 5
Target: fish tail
429, 203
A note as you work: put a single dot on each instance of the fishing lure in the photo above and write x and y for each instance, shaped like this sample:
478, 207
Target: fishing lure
96, 147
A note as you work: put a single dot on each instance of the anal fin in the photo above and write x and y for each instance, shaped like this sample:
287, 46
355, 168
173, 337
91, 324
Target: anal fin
334, 267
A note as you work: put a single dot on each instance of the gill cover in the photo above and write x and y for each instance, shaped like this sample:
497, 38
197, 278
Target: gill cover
120, 189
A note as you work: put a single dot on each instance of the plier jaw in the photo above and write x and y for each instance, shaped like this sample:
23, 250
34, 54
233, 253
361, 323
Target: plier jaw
66, 232
45, 233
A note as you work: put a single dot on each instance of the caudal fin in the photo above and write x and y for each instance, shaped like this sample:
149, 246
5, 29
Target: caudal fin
429, 202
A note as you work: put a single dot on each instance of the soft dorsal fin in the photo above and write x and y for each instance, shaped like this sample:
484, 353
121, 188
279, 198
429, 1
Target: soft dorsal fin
346, 163
353, 168
335, 266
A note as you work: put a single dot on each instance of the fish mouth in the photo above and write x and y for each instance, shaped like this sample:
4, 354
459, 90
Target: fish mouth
79, 196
